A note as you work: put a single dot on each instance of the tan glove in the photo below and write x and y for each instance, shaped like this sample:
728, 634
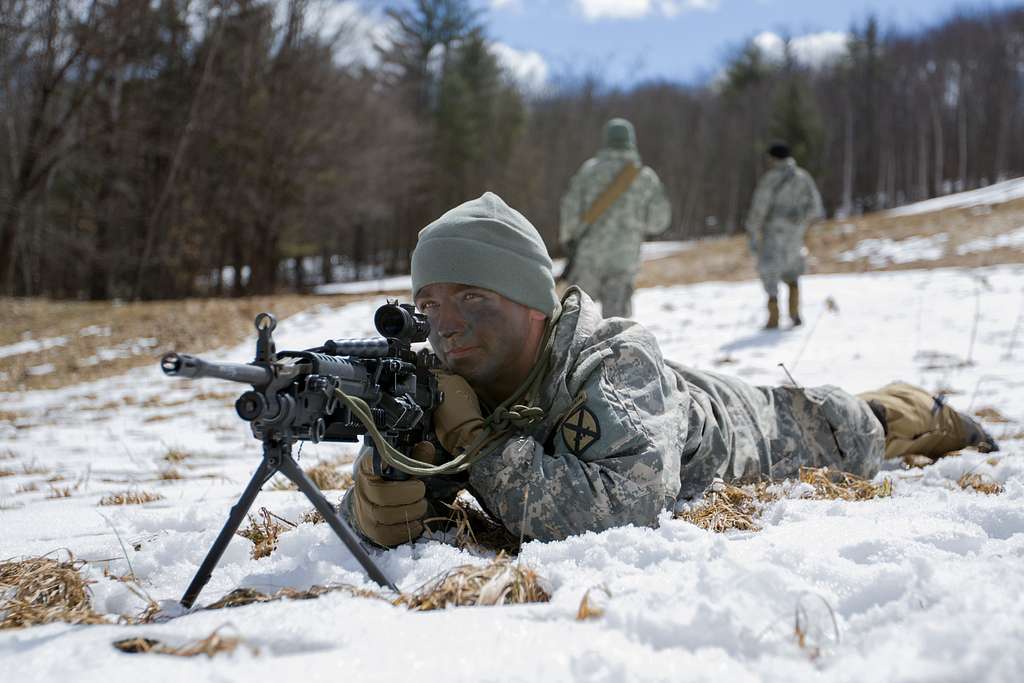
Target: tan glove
388, 512
457, 421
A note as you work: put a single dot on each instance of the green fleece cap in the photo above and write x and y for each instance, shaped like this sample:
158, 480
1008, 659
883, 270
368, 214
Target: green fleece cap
486, 243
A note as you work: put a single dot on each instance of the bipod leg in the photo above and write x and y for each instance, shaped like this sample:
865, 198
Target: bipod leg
265, 471
291, 469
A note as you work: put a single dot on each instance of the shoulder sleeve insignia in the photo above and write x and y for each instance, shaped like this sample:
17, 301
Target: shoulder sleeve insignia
580, 430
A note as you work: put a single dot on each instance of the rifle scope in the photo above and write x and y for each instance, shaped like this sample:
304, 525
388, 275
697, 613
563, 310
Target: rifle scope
401, 321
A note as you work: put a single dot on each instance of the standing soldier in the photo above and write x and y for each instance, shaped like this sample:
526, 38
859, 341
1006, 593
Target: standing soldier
785, 202
613, 203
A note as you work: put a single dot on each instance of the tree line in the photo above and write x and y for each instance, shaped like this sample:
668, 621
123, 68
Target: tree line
234, 147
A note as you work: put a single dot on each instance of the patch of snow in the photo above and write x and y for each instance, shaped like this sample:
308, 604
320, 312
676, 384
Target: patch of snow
44, 369
998, 193
31, 346
883, 251
1013, 240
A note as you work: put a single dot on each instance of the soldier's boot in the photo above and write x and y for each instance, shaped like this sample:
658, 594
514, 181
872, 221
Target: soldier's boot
794, 303
975, 435
773, 314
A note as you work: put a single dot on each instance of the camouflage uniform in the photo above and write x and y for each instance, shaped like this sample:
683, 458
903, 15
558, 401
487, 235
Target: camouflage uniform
627, 434
785, 201
606, 259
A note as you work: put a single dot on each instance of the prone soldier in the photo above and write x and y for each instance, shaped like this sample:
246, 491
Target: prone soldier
576, 423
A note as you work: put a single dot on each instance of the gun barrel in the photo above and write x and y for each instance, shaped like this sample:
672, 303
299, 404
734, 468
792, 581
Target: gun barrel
183, 365
373, 347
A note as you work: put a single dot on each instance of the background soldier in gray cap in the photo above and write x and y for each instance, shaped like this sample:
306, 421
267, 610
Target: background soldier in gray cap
613, 203
785, 201
563, 422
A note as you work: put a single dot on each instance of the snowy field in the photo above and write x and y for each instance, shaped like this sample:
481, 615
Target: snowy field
925, 585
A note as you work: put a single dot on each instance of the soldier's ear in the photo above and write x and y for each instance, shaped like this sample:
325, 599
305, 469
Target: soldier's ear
537, 315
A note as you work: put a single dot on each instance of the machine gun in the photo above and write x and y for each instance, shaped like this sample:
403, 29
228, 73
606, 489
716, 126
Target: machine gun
376, 388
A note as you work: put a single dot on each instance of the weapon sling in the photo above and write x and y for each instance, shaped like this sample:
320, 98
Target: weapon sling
603, 202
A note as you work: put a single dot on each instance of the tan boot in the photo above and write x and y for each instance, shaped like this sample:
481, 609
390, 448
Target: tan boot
773, 314
794, 303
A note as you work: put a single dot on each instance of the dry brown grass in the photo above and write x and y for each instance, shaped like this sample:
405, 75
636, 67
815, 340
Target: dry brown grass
60, 492
980, 483
588, 609
7, 473
726, 507
248, 596
27, 487
328, 475
41, 590
190, 326
210, 646
474, 529
727, 258
834, 485
502, 582
990, 414
130, 498
264, 532
33, 468
176, 456
170, 474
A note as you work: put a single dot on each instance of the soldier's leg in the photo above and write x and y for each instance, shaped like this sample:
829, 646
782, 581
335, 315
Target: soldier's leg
794, 301
617, 293
769, 279
917, 423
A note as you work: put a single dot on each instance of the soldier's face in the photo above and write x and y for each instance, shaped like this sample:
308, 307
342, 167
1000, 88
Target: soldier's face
479, 334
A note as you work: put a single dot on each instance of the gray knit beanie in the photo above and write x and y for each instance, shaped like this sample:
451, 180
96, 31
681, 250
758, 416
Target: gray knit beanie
486, 243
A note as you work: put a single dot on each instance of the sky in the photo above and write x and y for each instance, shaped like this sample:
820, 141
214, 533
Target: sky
628, 41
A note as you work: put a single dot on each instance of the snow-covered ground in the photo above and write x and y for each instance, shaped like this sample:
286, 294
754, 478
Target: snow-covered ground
997, 193
925, 585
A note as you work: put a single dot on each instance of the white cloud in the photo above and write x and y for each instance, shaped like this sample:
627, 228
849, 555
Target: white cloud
528, 68
593, 10
359, 30
813, 49
507, 4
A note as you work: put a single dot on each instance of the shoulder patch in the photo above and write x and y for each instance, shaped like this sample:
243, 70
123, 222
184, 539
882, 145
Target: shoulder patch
580, 430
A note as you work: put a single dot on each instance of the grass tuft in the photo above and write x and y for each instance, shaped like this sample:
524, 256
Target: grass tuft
980, 483
41, 590
502, 582
248, 596
130, 498
264, 532
211, 645
726, 507
835, 485
475, 529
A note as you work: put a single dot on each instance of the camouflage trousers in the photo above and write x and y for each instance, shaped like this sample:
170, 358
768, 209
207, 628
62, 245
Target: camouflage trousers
917, 422
613, 290
778, 267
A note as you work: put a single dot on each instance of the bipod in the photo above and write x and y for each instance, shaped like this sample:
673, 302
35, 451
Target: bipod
277, 457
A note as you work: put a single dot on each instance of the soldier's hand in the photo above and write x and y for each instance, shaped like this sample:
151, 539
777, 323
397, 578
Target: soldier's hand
388, 512
457, 421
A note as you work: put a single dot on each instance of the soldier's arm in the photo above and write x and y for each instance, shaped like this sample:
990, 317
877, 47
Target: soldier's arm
611, 461
658, 207
759, 206
572, 211
815, 208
